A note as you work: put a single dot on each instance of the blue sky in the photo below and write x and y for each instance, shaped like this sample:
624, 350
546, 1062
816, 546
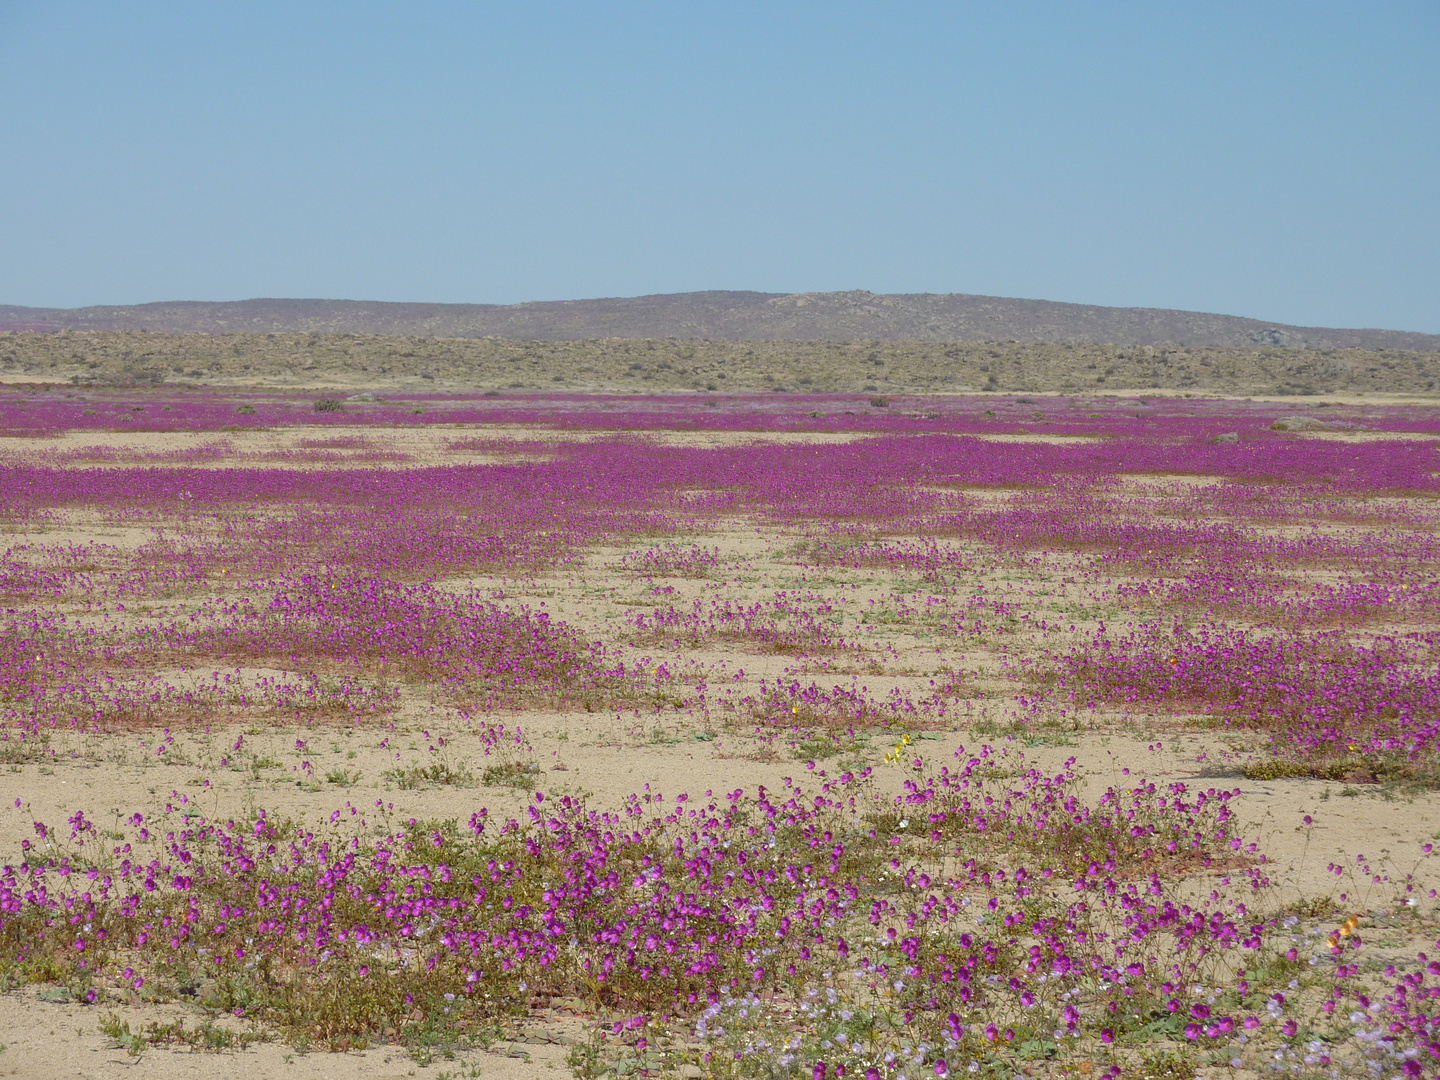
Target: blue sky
1274, 160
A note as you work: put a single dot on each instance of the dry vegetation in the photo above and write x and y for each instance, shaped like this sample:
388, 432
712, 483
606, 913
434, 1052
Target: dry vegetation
624, 365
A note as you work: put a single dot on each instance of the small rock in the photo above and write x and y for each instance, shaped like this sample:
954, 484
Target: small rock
690, 1072
1228, 437
1298, 423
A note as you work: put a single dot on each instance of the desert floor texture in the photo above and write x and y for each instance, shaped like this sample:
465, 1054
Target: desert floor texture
359, 626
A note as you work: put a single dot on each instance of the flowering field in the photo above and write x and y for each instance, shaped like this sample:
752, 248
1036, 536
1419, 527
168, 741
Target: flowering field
735, 737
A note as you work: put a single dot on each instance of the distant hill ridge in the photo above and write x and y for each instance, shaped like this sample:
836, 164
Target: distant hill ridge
725, 316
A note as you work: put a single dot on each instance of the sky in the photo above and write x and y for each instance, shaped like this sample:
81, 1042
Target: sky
1274, 160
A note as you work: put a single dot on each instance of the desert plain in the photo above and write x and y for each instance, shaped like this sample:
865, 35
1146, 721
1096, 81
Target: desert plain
546, 734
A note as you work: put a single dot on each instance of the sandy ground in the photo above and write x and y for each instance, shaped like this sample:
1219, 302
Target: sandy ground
1371, 436
364, 447
46, 1041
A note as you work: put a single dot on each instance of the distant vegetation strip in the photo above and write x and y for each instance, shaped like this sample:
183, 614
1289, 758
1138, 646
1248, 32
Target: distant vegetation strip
675, 364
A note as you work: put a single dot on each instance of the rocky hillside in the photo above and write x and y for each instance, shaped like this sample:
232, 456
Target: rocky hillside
726, 316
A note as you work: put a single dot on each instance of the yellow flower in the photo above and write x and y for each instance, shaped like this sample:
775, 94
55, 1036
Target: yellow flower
1346, 929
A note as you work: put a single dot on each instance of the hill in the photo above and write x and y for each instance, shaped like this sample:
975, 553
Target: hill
726, 316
